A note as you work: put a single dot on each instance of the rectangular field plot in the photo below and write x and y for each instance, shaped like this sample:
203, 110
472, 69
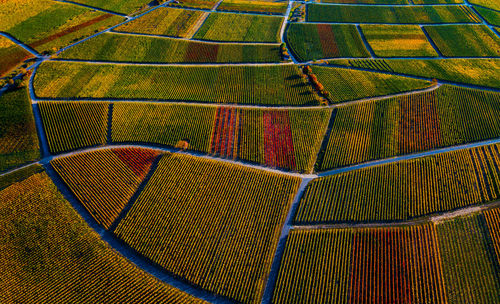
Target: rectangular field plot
397, 14
465, 40
120, 6
226, 84
238, 27
286, 139
18, 138
374, 265
163, 124
398, 41
483, 72
11, 55
74, 125
493, 4
470, 269
438, 1
405, 189
317, 41
259, 6
51, 255
345, 84
413, 123
105, 180
214, 224
204, 4
47, 25
165, 21
366, 1
130, 48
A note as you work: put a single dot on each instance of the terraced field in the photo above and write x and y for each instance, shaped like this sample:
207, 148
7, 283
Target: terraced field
250, 151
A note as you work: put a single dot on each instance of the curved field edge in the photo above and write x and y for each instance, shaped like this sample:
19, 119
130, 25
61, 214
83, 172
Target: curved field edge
53, 259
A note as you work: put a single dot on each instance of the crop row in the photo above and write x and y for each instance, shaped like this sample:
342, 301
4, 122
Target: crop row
103, 180
390, 265
214, 224
132, 48
317, 41
222, 84
70, 126
406, 189
493, 221
347, 84
385, 14
270, 7
444, 262
483, 72
446, 116
50, 255
164, 21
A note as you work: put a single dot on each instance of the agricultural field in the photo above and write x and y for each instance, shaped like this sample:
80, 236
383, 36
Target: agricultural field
105, 180
250, 151
367, 1
274, 85
73, 125
125, 7
129, 48
412, 123
395, 15
179, 223
481, 72
350, 266
398, 41
491, 16
465, 40
165, 21
59, 259
240, 28
18, 138
470, 269
404, 190
260, 6
318, 41
344, 84
11, 55
47, 25
203, 4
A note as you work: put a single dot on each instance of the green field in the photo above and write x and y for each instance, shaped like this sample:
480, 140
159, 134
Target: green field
491, 16
437, 1
164, 21
398, 41
237, 27
493, 4
120, 6
465, 40
404, 190
262, 6
366, 1
18, 139
470, 269
277, 85
50, 255
348, 84
73, 125
482, 72
317, 41
380, 14
48, 25
129, 48
419, 122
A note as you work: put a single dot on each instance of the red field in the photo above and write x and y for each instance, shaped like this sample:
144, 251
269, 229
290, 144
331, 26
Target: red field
278, 141
327, 39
